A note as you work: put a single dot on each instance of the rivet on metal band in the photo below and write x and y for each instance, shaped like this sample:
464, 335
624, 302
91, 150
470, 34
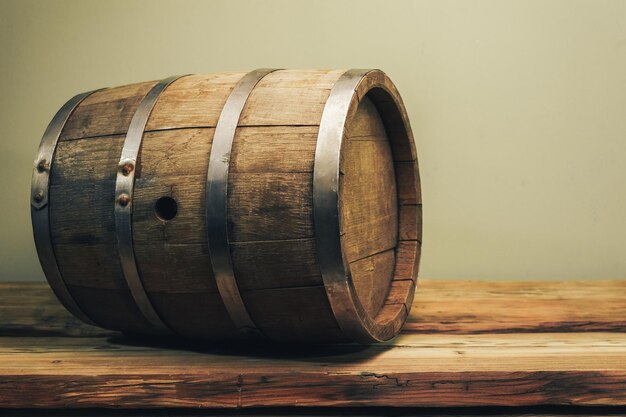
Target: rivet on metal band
124, 187
217, 203
326, 205
40, 214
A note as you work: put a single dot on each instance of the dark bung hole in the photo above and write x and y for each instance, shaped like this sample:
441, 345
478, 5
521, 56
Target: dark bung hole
166, 208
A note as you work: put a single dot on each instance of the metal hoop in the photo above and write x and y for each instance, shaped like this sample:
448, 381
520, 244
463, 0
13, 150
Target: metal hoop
217, 201
339, 288
40, 213
124, 187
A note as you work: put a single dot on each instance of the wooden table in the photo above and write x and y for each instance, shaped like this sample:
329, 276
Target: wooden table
467, 344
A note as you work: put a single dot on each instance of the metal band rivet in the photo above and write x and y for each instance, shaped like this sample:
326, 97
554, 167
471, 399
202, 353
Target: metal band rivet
124, 187
40, 214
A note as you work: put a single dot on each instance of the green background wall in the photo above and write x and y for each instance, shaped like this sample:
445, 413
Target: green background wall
518, 108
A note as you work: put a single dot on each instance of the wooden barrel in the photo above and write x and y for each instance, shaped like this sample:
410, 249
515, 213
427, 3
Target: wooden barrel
279, 205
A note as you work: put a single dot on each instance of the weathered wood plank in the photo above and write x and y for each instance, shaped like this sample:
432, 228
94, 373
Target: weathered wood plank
416, 370
256, 265
518, 306
175, 268
289, 97
93, 116
458, 353
270, 206
444, 306
531, 411
30, 309
283, 314
193, 101
82, 188
75, 260
121, 312
501, 350
274, 149
195, 314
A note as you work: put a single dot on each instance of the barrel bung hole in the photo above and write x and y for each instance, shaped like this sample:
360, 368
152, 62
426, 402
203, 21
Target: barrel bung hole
166, 208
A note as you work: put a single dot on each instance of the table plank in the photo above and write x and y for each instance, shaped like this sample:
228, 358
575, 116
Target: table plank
518, 306
445, 306
466, 344
561, 411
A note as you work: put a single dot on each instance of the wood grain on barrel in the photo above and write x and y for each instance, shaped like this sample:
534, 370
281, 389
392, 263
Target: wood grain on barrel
270, 206
83, 231
171, 256
255, 262
92, 118
467, 343
292, 149
193, 101
368, 206
290, 98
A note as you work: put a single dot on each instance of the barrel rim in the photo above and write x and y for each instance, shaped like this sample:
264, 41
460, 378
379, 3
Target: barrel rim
40, 213
339, 110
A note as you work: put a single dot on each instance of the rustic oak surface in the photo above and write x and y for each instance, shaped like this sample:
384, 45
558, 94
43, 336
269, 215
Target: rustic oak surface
465, 344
